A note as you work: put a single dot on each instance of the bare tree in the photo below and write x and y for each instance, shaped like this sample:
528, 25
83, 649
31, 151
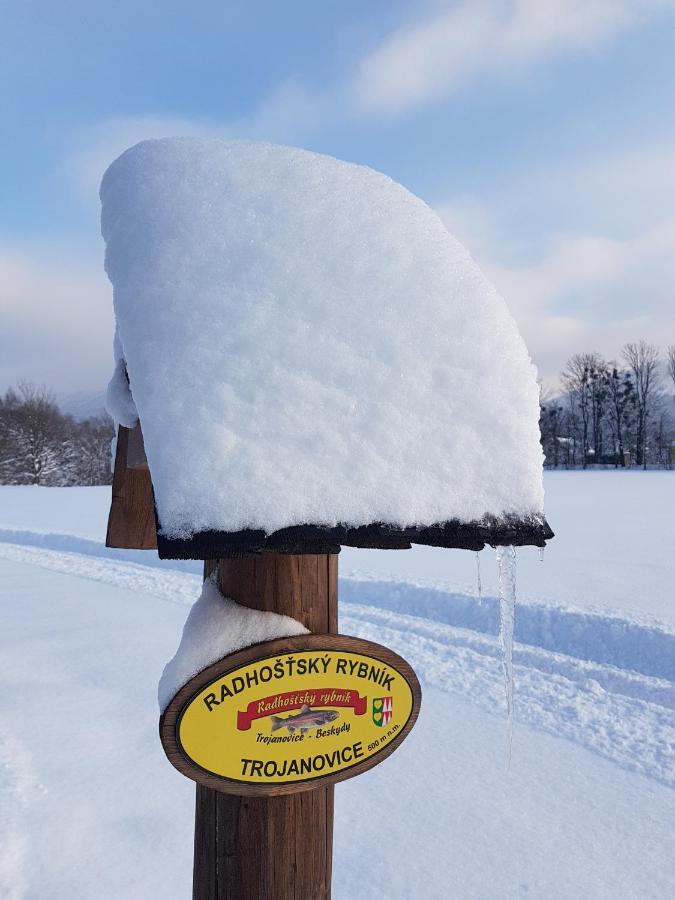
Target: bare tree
575, 381
599, 388
621, 406
663, 434
643, 359
37, 448
585, 380
91, 440
670, 361
41, 445
550, 425
10, 460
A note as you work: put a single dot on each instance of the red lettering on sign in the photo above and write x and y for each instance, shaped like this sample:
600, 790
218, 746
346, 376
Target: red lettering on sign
317, 699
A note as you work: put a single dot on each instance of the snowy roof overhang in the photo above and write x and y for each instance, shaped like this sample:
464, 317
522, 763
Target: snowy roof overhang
315, 361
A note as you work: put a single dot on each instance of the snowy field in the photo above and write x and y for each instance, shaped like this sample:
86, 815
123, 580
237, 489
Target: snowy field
89, 807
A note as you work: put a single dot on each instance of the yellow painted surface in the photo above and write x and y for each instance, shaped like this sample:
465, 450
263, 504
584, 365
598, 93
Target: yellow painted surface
295, 716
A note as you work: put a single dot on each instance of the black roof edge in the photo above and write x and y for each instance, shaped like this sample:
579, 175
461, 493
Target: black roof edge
533, 531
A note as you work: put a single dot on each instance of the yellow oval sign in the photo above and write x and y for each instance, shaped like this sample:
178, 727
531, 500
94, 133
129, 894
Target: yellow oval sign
282, 715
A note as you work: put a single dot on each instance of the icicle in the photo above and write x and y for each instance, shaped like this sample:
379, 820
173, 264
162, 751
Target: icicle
506, 563
479, 587
541, 554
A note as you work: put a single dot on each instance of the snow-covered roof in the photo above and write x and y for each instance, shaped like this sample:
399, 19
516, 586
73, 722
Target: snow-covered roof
306, 344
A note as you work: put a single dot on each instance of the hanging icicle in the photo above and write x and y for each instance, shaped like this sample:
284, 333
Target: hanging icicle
479, 586
541, 554
506, 564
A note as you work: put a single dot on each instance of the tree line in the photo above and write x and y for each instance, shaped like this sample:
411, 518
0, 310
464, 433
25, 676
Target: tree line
39, 444
612, 412
615, 412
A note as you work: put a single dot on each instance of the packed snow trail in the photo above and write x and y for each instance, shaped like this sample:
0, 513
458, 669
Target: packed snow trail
17, 782
629, 640
594, 565
622, 714
96, 811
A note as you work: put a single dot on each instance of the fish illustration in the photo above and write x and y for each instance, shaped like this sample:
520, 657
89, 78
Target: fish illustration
304, 720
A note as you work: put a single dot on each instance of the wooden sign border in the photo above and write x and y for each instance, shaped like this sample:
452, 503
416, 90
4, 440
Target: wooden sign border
169, 721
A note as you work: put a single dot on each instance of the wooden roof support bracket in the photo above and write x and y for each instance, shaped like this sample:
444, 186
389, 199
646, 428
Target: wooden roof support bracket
131, 522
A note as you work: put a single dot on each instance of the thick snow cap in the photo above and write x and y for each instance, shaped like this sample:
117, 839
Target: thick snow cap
217, 626
315, 360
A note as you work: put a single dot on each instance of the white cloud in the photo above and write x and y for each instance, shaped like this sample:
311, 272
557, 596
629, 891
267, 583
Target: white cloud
582, 251
617, 192
428, 59
290, 114
56, 304
57, 318
97, 145
584, 292
293, 112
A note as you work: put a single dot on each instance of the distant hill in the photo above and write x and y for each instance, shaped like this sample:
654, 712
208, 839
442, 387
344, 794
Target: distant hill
83, 404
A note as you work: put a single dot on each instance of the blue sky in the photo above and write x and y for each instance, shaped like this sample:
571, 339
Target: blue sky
542, 131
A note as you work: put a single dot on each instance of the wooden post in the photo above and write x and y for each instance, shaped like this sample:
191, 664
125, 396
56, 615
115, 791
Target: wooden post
270, 848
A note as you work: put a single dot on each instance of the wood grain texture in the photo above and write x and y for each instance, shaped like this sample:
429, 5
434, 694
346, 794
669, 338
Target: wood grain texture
131, 521
270, 848
136, 458
274, 849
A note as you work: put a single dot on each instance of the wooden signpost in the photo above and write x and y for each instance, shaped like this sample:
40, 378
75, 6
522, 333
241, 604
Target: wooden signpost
264, 809
202, 306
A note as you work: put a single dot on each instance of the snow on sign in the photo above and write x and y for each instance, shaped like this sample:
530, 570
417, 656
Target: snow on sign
281, 716
315, 361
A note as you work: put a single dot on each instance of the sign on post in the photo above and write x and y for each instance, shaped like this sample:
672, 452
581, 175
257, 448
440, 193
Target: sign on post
281, 716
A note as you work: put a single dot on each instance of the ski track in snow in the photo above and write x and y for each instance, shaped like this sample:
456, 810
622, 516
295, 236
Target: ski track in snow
605, 683
18, 786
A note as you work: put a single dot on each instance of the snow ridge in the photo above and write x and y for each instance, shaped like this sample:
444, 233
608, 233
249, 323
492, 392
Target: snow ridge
640, 643
592, 679
631, 721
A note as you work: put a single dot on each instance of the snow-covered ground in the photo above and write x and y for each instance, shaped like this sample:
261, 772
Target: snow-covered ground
89, 807
614, 549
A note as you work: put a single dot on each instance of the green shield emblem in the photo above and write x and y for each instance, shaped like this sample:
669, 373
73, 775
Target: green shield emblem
382, 710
